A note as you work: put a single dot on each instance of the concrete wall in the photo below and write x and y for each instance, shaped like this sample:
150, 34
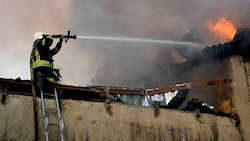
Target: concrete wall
241, 80
17, 119
88, 121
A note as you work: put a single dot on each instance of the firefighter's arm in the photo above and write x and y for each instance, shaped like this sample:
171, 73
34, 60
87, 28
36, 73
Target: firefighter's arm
58, 46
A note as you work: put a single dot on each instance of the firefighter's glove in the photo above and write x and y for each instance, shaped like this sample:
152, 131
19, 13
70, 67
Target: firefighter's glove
51, 80
56, 74
60, 41
59, 44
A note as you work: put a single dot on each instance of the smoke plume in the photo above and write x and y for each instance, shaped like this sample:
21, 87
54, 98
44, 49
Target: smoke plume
143, 65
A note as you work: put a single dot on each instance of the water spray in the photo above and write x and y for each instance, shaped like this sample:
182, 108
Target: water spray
169, 42
124, 39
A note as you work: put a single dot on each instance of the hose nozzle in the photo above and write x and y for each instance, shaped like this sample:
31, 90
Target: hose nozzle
65, 37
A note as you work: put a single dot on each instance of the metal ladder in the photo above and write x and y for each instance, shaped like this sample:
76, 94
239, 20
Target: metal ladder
45, 111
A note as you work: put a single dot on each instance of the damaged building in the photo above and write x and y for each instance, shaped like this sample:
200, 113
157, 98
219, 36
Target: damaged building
174, 112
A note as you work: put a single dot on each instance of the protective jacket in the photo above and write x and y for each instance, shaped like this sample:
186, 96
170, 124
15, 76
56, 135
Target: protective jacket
42, 55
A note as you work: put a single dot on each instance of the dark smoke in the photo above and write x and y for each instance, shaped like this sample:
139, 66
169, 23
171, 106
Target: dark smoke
147, 65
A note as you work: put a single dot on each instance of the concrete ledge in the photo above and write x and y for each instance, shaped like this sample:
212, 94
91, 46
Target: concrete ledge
89, 121
137, 123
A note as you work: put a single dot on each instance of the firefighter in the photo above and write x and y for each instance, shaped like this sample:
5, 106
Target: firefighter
42, 62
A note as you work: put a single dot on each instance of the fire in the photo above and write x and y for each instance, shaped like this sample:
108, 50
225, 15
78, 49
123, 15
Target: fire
223, 29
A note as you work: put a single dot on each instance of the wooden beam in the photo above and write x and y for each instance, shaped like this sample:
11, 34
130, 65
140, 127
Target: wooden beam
189, 86
112, 90
119, 91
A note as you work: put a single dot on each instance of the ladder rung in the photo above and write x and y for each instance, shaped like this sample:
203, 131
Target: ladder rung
51, 110
52, 124
48, 94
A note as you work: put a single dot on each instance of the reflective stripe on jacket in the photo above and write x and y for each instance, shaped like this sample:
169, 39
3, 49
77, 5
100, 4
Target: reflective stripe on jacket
40, 63
42, 55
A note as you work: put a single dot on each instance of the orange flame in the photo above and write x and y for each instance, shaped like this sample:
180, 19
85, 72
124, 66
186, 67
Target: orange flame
223, 29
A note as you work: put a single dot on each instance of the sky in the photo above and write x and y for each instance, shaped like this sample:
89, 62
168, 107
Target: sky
97, 62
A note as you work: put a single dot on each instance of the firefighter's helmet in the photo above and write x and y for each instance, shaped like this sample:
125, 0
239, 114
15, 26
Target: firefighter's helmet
38, 35
46, 39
